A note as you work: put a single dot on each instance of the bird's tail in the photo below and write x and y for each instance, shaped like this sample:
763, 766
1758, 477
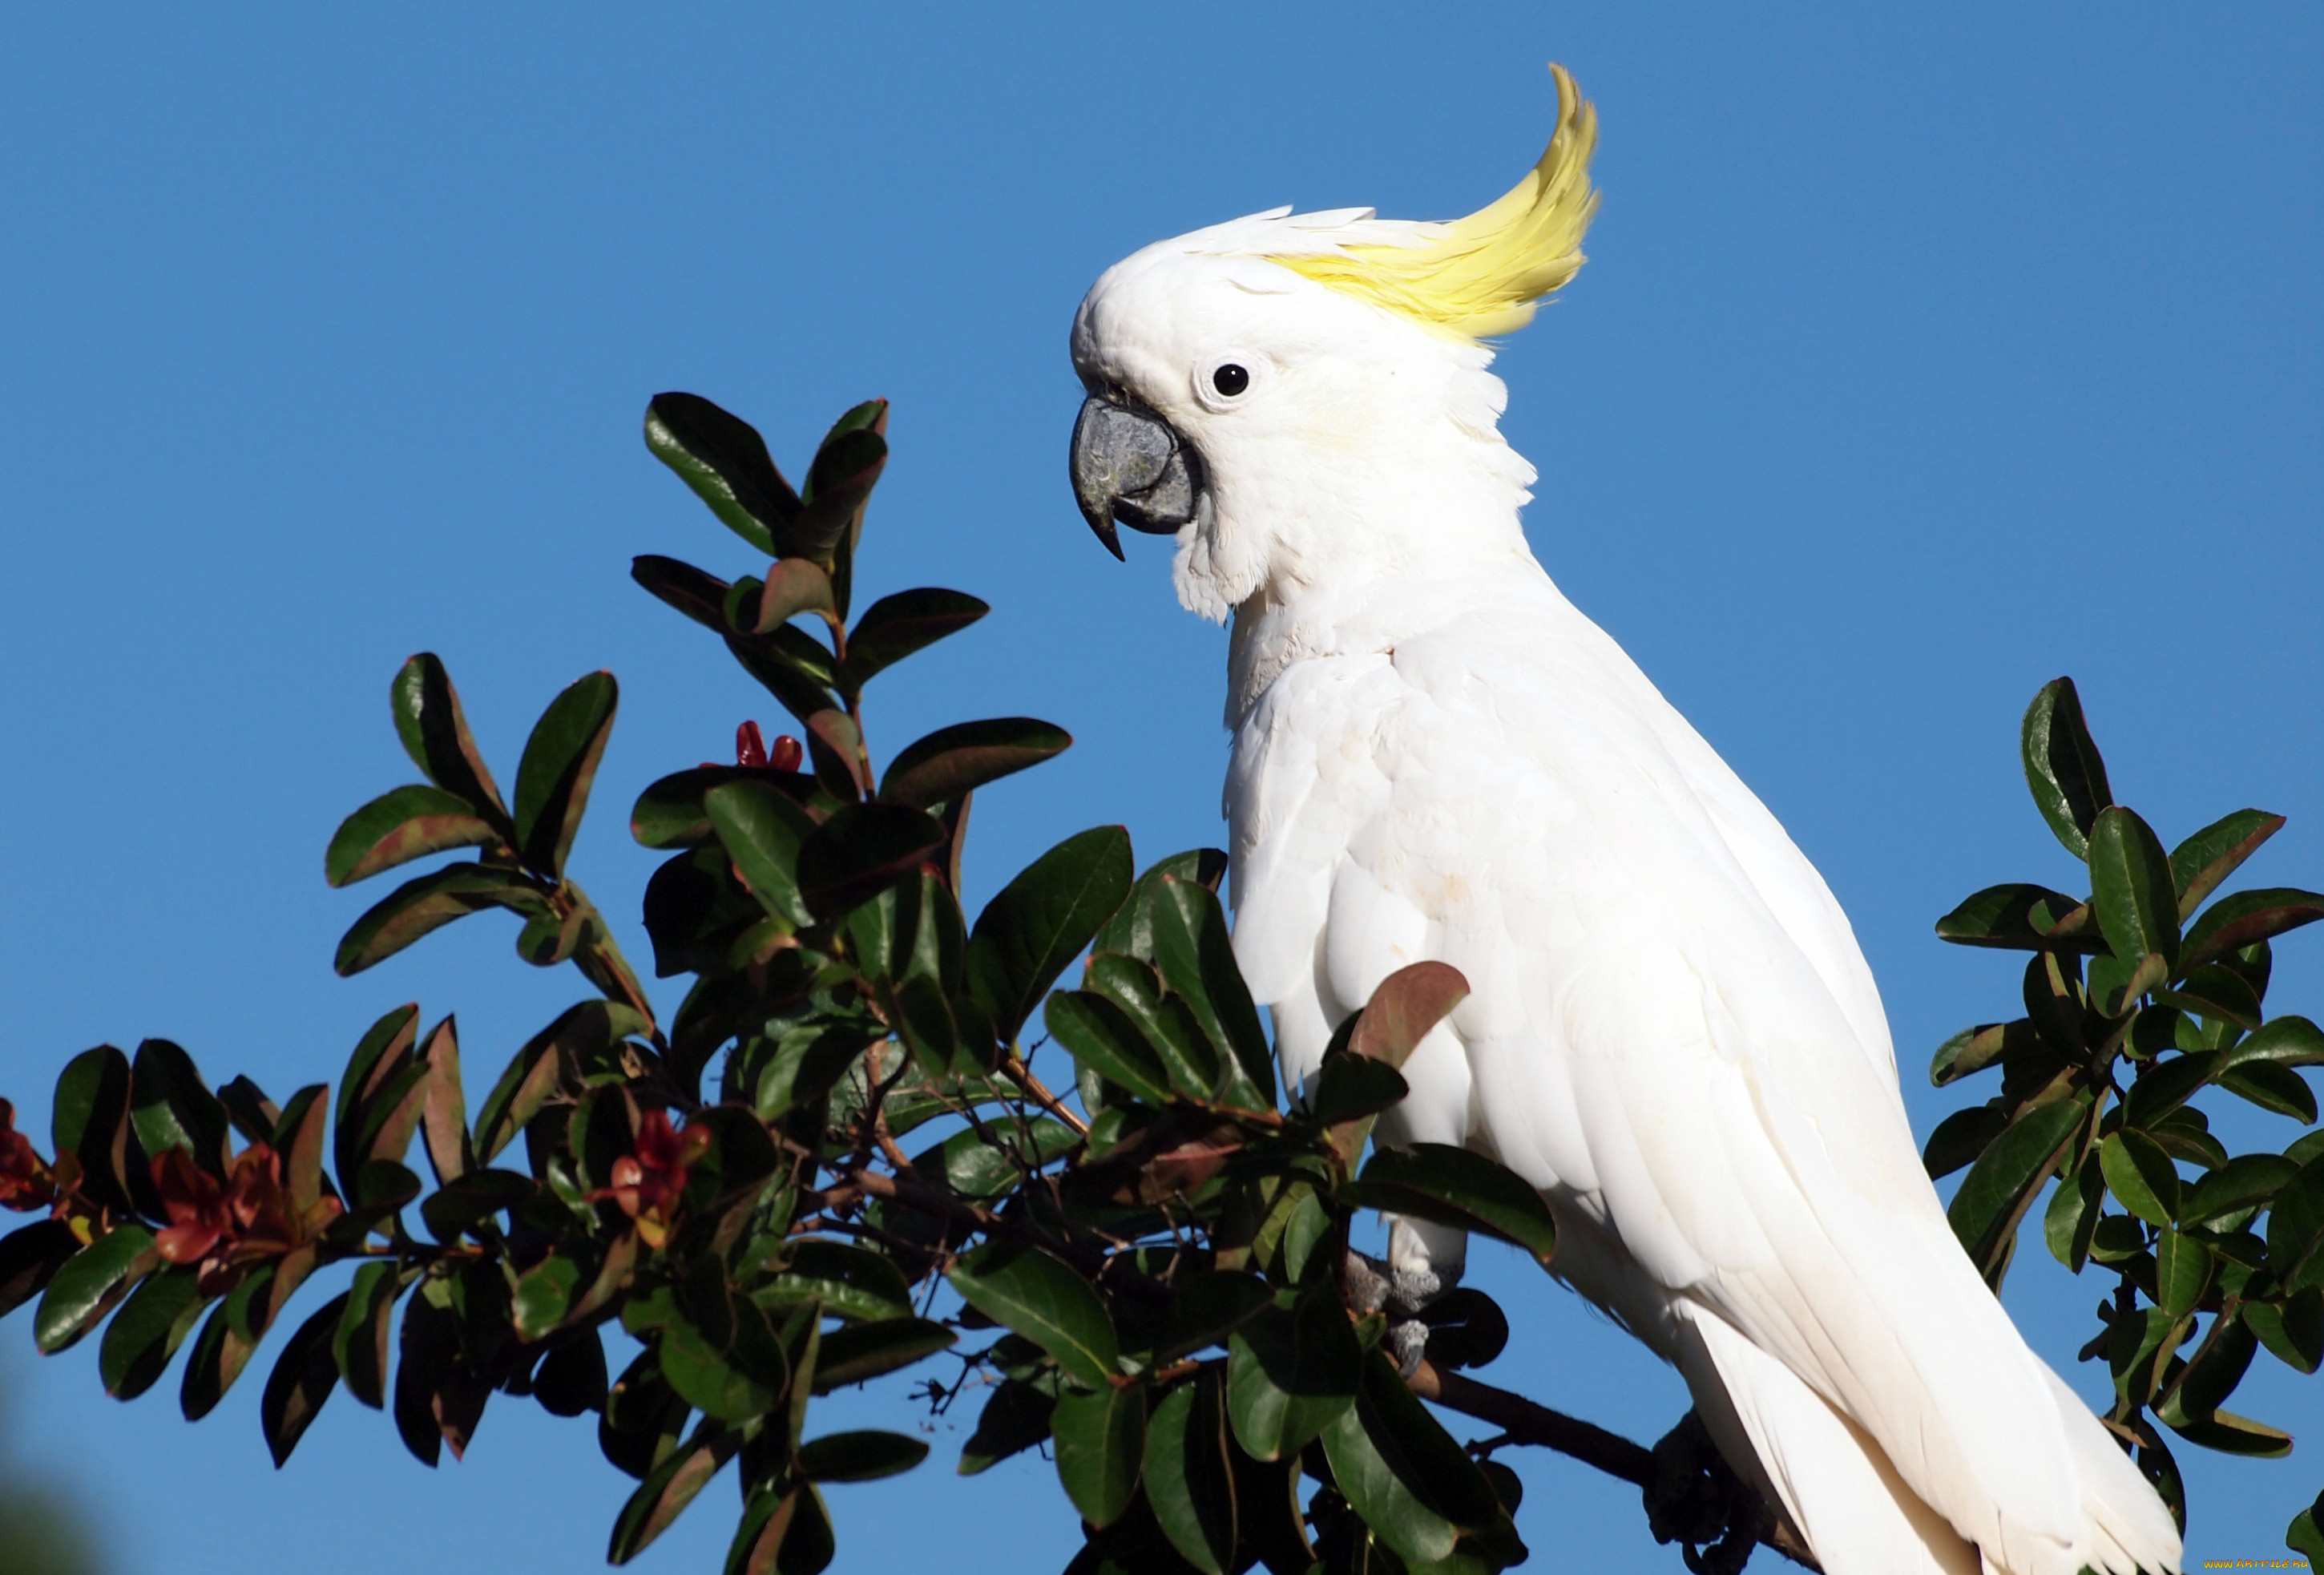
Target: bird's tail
1840, 1491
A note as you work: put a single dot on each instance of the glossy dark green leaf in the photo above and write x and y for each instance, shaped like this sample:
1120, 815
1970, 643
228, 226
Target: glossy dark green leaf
725, 461
2293, 1332
579, 1034
1413, 1445
1960, 1138
2287, 1040
699, 596
304, 1376
2295, 1232
834, 748
430, 902
2230, 1434
838, 488
2210, 856
1291, 1373
2305, 1534
544, 1294
558, 768
1387, 1504
2237, 921
845, 1281
1100, 1443
863, 1456
2218, 1364
1040, 1297
2141, 1174
867, 1350
895, 626
802, 685
1195, 956
571, 1378
2218, 994
670, 812
1102, 1038
2062, 766
1188, 1055
1994, 1195
2131, 887
2182, 1270
669, 1488
147, 1331
793, 586
2246, 1181
1040, 922
398, 826
1014, 1420
91, 1282
952, 760
1189, 1473
91, 1122
761, 828
860, 851
719, 1382
2271, 1086
360, 1342
2019, 918
30, 1257
1434, 1180
2071, 1220
1350, 1087
171, 1106
435, 733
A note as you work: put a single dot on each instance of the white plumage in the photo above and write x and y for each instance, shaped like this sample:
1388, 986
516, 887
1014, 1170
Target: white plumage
1672, 1031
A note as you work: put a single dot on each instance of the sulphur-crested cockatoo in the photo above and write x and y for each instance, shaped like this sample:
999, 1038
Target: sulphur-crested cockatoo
1671, 1030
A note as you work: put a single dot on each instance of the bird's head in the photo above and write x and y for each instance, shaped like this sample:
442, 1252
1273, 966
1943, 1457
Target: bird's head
1290, 391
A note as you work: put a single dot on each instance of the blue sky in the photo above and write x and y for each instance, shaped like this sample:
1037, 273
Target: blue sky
1921, 358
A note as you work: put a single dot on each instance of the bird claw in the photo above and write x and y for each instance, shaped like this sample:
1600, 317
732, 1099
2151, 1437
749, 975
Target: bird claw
1402, 1294
1698, 1501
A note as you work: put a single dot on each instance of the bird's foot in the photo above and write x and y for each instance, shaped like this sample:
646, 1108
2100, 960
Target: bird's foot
1697, 1501
1376, 1286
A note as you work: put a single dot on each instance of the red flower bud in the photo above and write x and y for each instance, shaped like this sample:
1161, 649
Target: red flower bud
786, 754
647, 1184
199, 1218
750, 746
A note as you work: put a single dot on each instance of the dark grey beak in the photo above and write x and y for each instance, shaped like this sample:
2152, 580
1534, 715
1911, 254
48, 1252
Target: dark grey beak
1130, 466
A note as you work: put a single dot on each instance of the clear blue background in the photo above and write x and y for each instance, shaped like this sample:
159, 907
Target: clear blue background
1920, 359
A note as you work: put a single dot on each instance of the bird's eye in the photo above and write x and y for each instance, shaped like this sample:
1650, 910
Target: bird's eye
1230, 380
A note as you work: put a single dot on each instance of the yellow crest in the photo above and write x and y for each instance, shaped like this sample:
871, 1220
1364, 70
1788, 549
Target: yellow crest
1481, 275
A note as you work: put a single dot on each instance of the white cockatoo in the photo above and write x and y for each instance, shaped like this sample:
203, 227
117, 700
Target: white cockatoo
1671, 1030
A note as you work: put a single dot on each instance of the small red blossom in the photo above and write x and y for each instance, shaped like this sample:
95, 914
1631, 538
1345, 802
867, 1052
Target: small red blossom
223, 1226
786, 753
749, 745
646, 1183
26, 1183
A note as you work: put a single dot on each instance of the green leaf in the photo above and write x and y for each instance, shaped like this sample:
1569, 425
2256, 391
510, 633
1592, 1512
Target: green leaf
790, 664
2287, 1040
2272, 1087
845, 1281
542, 1297
734, 1384
359, 1343
430, 902
571, 1378
147, 1331
1291, 1374
398, 826
699, 596
1189, 1473
2244, 1183
30, 1257
2182, 1270
2236, 922
1960, 1138
1041, 921
2062, 766
2293, 1332
895, 626
2020, 918
1377, 1492
761, 828
2218, 994
1038, 1296
2072, 1220
1195, 956
91, 1122
1994, 1196
725, 461
1130, 930
834, 748
2130, 878
1452, 1186
171, 1106
955, 760
838, 489
865, 1456
1348, 1087
860, 851
580, 1033
867, 1350
90, 1284
669, 1488
2140, 1173
2218, 1365
2305, 1534
2295, 1233
2230, 1434
793, 586
670, 813
2210, 856
1100, 1037
1166, 1024
559, 765
1100, 1442
1015, 1419
303, 1378
435, 733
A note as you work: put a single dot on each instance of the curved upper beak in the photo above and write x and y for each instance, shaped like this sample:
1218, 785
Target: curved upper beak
1130, 466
